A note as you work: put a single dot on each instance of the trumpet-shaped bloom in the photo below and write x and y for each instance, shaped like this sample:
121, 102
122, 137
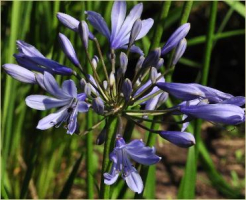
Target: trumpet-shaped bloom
120, 157
121, 25
29, 57
66, 97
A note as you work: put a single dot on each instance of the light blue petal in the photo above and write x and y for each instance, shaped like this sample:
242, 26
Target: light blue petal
69, 87
42, 102
82, 107
134, 182
146, 26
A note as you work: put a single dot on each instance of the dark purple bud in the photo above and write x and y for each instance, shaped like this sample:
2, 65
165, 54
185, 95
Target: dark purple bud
219, 113
175, 38
84, 33
127, 89
136, 28
181, 139
98, 105
179, 51
102, 136
68, 49
123, 62
152, 58
19, 73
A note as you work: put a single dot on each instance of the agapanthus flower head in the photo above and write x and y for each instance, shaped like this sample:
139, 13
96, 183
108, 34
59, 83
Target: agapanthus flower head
66, 97
121, 155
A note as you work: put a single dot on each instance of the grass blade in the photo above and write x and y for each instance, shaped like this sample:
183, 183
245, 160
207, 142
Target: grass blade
238, 6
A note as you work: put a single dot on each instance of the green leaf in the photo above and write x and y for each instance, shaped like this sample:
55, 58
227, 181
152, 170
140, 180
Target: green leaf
238, 6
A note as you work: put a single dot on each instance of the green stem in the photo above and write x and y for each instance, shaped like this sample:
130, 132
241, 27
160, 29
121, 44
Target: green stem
108, 147
89, 161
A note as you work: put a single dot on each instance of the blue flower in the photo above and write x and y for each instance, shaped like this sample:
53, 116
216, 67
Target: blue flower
66, 97
120, 157
121, 25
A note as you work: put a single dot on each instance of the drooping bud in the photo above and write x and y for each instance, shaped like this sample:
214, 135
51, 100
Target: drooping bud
98, 105
105, 85
136, 28
82, 84
139, 63
160, 63
20, 73
87, 89
181, 139
68, 49
175, 38
84, 33
127, 89
179, 51
153, 74
111, 79
95, 61
102, 135
152, 58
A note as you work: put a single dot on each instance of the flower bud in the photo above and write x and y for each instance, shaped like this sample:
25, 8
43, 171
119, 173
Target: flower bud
87, 89
102, 136
127, 89
98, 105
139, 63
95, 61
175, 38
82, 84
84, 33
152, 58
179, 51
20, 73
181, 139
105, 85
153, 74
136, 28
111, 79
68, 49
123, 62
160, 63
68, 21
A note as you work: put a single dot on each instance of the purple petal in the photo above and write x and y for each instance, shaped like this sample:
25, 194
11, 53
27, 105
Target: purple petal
175, 38
185, 124
68, 49
72, 125
136, 28
134, 182
238, 101
68, 21
124, 32
28, 49
181, 90
181, 139
152, 103
133, 49
98, 23
179, 51
152, 58
52, 87
19, 73
146, 26
40, 79
84, 33
69, 87
127, 89
42, 102
118, 15
81, 96
110, 178
52, 119
82, 107
142, 154
220, 113
98, 105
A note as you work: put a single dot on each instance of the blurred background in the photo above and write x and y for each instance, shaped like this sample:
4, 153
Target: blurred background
37, 164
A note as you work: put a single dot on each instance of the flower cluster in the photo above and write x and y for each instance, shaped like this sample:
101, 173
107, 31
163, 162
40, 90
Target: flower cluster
113, 93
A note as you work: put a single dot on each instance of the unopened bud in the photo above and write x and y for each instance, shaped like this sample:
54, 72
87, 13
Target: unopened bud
136, 28
111, 79
153, 74
179, 51
84, 33
139, 63
152, 58
82, 84
127, 89
102, 136
123, 62
105, 85
160, 63
87, 89
95, 61
98, 105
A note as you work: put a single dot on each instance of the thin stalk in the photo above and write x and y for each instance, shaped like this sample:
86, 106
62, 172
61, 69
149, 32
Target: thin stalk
105, 189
